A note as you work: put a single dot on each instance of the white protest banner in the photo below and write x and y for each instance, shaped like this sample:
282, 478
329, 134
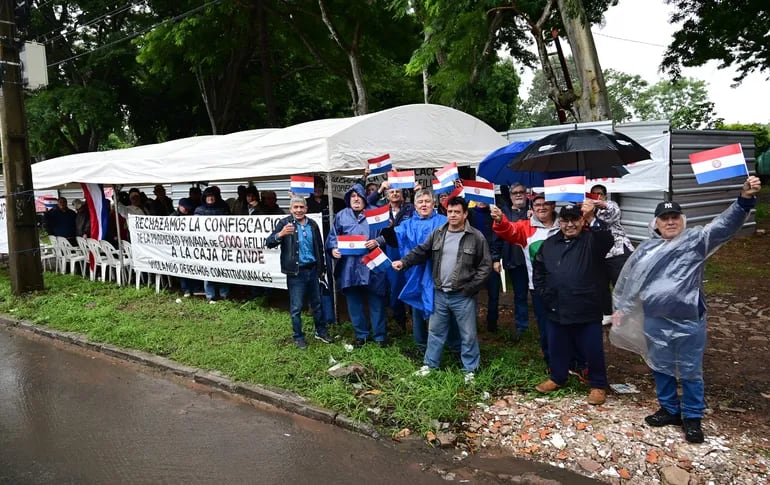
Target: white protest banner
3, 228
226, 249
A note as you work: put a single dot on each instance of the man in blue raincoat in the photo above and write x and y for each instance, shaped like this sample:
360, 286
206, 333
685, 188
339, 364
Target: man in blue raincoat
358, 283
660, 307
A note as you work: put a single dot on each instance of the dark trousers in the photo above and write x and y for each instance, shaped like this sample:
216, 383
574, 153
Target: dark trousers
494, 284
612, 268
565, 341
304, 287
520, 286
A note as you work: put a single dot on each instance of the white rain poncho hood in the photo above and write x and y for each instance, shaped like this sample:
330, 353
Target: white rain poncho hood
660, 296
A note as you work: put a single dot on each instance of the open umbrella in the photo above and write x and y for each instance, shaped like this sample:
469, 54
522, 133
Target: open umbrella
594, 152
495, 167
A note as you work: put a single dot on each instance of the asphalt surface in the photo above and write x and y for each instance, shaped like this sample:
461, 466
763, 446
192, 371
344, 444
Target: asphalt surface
69, 415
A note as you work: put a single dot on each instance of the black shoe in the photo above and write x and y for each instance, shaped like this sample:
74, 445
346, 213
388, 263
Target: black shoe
359, 342
517, 335
323, 337
382, 343
663, 418
300, 343
692, 430
492, 327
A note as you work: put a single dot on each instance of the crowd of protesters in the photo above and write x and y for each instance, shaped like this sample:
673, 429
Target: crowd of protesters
443, 252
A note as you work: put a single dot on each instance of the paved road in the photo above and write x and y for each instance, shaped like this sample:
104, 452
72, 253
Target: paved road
73, 416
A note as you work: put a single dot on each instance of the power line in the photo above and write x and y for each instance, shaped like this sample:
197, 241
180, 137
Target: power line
628, 40
88, 23
137, 34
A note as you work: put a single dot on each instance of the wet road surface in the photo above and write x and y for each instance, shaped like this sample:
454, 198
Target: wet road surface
73, 416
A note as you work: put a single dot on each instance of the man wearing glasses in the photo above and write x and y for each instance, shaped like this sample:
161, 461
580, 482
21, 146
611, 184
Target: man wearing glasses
530, 234
514, 262
567, 274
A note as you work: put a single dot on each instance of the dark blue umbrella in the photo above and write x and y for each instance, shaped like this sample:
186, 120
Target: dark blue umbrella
495, 168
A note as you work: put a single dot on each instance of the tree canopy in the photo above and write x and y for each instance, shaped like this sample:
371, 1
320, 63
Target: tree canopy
733, 32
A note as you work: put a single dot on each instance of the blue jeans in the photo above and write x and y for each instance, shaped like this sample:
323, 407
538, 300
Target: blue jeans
520, 284
494, 284
538, 305
693, 400
304, 285
355, 296
463, 309
420, 332
189, 285
211, 288
567, 341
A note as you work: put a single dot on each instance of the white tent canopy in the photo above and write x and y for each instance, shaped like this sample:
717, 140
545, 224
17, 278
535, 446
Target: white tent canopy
420, 135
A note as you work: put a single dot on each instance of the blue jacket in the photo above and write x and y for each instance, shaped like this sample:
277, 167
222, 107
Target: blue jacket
290, 246
418, 289
349, 271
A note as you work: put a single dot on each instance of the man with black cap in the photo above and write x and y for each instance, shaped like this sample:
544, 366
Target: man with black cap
567, 272
660, 307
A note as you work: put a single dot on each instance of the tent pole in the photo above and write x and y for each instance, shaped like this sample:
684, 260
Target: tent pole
119, 274
329, 272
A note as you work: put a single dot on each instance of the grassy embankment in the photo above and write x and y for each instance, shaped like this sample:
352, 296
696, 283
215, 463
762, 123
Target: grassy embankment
252, 343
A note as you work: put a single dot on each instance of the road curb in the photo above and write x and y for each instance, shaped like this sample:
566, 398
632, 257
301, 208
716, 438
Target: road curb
279, 398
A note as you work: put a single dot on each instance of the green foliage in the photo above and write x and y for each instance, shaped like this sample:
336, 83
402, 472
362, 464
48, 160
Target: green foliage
761, 133
685, 103
731, 32
250, 343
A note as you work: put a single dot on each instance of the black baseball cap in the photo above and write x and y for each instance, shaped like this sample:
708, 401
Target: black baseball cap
570, 211
669, 207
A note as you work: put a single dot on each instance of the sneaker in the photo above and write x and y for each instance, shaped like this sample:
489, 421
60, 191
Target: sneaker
382, 343
547, 386
597, 397
693, 432
492, 327
187, 294
211, 302
663, 418
300, 343
359, 342
469, 377
323, 337
517, 335
607, 320
422, 371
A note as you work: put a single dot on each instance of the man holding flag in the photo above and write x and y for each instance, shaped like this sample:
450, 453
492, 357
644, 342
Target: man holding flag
302, 261
351, 237
660, 306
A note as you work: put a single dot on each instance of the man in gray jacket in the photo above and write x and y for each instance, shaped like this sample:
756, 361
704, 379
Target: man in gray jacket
461, 265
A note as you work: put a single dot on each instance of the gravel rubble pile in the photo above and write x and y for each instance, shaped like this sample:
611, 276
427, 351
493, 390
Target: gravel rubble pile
612, 443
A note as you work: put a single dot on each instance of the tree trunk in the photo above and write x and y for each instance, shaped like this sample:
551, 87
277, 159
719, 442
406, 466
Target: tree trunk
592, 103
266, 66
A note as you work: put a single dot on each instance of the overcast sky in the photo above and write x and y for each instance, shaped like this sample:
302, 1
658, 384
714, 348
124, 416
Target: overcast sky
644, 25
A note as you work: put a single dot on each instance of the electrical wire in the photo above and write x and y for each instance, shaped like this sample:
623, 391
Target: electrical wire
627, 40
76, 27
137, 34
105, 16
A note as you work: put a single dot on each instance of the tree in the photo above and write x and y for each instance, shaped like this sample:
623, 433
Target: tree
733, 32
684, 103
761, 133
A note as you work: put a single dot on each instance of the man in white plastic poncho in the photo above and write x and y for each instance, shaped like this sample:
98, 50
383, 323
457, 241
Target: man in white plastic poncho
660, 309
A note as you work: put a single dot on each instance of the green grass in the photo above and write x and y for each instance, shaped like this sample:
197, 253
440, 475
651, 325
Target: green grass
252, 343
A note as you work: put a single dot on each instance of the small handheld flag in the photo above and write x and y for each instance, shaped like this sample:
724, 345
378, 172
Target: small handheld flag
566, 189
479, 191
301, 185
592, 196
447, 174
718, 164
379, 217
376, 260
380, 164
401, 180
351, 245
439, 188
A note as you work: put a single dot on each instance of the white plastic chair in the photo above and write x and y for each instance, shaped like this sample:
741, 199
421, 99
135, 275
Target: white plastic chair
83, 245
71, 255
100, 260
112, 257
128, 261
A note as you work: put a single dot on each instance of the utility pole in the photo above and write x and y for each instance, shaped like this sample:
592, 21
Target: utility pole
26, 270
